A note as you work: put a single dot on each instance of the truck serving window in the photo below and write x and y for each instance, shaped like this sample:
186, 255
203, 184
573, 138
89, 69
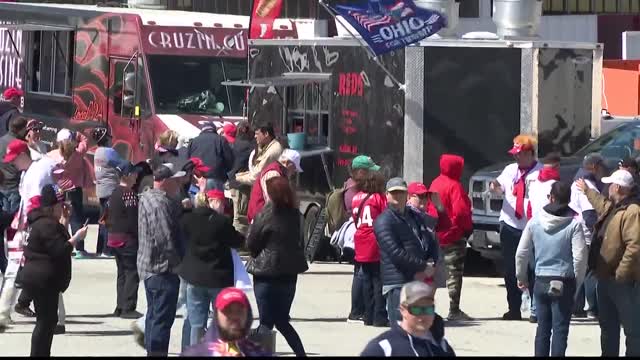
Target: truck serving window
52, 62
183, 85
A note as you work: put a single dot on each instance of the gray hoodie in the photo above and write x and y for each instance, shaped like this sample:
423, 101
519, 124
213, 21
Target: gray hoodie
556, 238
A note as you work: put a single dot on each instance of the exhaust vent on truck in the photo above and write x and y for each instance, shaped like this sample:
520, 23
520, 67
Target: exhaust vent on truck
517, 18
449, 8
147, 4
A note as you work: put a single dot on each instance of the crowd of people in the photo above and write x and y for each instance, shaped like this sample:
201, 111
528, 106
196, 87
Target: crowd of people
169, 225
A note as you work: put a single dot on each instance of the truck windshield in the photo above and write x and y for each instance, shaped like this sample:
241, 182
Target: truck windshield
619, 143
184, 85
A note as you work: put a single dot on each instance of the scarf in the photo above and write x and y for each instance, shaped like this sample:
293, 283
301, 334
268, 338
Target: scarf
549, 173
519, 189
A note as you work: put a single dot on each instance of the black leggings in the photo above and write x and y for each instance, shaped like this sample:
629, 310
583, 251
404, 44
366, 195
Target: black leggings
46, 306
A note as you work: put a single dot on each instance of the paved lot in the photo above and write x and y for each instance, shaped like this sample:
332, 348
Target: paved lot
319, 314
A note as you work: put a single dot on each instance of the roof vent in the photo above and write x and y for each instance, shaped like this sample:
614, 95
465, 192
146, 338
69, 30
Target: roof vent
517, 18
449, 8
147, 4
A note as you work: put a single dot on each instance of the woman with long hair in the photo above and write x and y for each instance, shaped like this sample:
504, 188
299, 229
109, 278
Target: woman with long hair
207, 266
367, 205
73, 175
47, 269
276, 244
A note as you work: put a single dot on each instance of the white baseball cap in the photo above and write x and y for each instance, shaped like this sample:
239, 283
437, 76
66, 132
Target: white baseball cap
64, 134
292, 156
620, 177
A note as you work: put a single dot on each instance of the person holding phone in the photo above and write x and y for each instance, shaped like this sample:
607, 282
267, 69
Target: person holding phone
47, 263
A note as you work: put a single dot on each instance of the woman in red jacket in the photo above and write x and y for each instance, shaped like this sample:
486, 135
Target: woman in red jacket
367, 204
453, 237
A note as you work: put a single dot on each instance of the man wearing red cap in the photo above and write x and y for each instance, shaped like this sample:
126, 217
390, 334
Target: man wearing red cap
513, 182
9, 107
232, 323
452, 231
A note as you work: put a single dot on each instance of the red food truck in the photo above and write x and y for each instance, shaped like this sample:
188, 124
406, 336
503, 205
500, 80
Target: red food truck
137, 71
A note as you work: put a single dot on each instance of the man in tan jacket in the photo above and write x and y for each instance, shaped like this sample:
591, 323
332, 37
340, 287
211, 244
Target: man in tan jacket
615, 255
269, 150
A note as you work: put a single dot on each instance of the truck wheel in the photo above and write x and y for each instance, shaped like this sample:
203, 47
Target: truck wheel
317, 239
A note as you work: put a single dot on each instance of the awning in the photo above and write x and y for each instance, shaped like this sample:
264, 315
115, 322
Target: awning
35, 27
286, 79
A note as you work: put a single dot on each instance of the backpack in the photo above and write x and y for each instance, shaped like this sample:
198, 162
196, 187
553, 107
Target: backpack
336, 211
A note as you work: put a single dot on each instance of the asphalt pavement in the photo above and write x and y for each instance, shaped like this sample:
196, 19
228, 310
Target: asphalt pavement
319, 314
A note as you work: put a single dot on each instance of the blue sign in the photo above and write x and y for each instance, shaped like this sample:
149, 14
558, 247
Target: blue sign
387, 25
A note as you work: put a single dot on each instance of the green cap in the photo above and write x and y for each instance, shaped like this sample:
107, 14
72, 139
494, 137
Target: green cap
364, 162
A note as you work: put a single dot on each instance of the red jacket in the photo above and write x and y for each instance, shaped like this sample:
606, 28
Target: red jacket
454, 199
256, 200
366, 245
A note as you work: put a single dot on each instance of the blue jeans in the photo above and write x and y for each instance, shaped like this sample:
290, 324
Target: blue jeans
103, 235
162, 297
588, 290
357, 296
77, 213
554, 317
393, 306
509, 239
274, 298
619, 304
198, 300
374, 304
186, 325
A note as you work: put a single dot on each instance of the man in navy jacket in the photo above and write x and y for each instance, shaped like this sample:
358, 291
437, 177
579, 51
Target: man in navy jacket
421, 331
408, 247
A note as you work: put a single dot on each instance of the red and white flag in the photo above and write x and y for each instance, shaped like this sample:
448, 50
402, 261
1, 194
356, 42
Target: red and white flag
262, 17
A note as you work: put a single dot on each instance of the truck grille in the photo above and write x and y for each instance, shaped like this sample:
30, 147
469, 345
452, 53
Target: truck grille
484, 202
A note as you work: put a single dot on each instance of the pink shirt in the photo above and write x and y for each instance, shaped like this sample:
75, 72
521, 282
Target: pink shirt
77, 171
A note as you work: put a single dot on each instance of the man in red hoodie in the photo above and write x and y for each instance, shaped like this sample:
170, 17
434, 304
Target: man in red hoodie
452, 236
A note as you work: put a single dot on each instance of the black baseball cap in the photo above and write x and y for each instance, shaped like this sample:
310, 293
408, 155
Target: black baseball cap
167, 171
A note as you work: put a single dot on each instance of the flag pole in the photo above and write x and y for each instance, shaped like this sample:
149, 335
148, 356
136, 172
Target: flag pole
372, 55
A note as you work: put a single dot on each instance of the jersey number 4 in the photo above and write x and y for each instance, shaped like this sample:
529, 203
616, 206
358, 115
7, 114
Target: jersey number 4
365, 218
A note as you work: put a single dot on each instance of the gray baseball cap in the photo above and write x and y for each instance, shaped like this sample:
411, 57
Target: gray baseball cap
416, 290
396, 184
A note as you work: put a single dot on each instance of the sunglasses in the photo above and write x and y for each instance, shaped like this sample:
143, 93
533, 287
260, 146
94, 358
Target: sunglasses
422, 310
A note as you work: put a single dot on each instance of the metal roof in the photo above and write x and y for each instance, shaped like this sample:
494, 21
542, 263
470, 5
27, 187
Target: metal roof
287, 79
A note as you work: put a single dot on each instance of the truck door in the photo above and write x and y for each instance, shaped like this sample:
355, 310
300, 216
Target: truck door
122, 106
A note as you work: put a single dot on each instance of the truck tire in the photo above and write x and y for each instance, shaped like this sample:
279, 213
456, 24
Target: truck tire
317, 222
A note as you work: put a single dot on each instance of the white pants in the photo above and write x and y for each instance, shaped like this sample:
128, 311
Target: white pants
9, 292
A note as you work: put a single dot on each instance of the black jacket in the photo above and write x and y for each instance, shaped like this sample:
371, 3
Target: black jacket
7, 112
166, 157
276, 244
122, 213
402, 253
214, 151
210, 237
47, 255
241, 151
397, 342
10, 172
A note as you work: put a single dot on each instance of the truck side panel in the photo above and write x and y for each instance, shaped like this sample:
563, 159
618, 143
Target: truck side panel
366, 114
471, 95
564, 100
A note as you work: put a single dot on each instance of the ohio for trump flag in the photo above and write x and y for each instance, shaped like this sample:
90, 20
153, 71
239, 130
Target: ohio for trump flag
387, 25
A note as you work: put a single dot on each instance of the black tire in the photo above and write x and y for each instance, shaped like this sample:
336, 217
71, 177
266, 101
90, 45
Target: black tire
317, 238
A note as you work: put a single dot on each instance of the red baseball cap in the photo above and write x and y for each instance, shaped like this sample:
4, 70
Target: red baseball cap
229, 296
215, 194
10, 93
522, 143
15, 148
199, 168
229, 131
417, 188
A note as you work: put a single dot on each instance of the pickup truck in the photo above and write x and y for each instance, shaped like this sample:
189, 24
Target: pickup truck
622, 141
